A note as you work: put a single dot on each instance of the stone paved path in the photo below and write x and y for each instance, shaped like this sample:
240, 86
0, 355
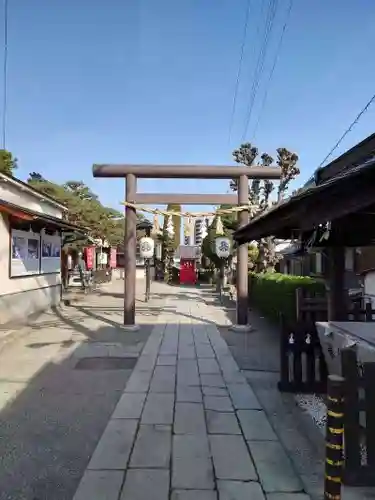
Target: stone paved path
188, 426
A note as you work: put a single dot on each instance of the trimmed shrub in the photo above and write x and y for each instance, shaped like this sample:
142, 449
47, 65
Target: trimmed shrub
275, 293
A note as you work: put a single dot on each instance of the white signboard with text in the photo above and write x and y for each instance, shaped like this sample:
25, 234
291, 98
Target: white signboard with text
25, 253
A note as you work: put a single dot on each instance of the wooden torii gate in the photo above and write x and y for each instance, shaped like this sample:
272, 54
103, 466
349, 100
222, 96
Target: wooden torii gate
131, 172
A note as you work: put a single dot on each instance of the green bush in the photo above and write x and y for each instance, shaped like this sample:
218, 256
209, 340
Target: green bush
275, 293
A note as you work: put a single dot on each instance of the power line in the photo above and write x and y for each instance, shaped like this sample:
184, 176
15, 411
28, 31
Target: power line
5, 73
276, 60
271, 13
244, 36
348, 130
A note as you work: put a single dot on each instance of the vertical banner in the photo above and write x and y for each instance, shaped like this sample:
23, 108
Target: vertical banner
89, 257
113, 258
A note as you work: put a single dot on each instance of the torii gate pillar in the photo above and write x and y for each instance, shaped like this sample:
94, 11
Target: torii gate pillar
130, 248
242, 261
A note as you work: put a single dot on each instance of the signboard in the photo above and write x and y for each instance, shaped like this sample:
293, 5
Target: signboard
89, 253
189, 252
50, 261
113, 258
102, 258
25, 253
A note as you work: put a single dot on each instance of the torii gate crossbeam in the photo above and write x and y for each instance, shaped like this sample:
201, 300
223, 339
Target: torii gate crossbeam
131, 172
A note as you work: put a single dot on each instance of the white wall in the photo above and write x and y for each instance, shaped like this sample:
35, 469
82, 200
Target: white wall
19, 196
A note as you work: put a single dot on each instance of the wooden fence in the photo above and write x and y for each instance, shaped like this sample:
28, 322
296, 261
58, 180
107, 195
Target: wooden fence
310, 308
302, 365
303, 370
359, 420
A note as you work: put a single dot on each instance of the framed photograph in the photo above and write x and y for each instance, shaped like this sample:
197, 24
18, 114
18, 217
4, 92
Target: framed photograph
56, 251
46, 248
19, 246
33, 248
50, 261
24, 253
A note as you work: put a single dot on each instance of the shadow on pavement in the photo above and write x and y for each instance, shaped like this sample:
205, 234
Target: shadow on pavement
52, 413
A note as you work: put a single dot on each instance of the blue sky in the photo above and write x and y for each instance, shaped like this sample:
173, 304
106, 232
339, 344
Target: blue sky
152, 81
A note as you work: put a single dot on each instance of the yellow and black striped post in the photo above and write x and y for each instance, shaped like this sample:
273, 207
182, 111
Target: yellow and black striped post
334, 438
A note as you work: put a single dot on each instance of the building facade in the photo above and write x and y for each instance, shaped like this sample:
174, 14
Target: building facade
31, 226
198, 229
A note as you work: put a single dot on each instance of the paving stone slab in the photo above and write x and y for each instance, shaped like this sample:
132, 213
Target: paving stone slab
218, 403
208, 365
166, 361
158, 409
243, 397
146, 362
210, 380
201, 339
192, 473
274, 467
189, 447
186, 352
231, 458
168, 350
189, 419
222, 423
227, 363
100, 485
163, 379
234, 377
139, 381
191, 463
130, 405
238, 490
204, 351
288, 496
187, 372
185, 338
152, 447
189, 394
214, 391
146, 484
255, 425
114, 447
193, 495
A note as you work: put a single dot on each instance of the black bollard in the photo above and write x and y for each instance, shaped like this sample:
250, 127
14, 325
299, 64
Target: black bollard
334, 438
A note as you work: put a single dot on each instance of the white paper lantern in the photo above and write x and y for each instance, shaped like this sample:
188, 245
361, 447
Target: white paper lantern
146, 247
222, 247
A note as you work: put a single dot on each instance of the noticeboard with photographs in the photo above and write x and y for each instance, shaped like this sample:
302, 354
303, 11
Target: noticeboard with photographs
50, 261
25, 253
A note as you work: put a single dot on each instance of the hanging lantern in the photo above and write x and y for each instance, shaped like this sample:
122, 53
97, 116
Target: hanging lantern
170, 229
219, 225
146, 247
222, 247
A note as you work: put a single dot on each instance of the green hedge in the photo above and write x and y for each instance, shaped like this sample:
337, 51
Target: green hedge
275, 293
